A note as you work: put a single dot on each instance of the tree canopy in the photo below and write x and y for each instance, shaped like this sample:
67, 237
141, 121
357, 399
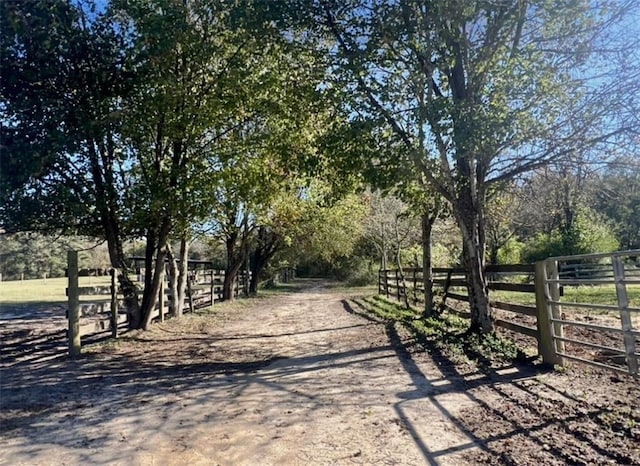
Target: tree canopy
154, 120
482, 92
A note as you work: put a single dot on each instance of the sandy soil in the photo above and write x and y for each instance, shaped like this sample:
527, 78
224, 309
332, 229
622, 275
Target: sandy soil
302, 378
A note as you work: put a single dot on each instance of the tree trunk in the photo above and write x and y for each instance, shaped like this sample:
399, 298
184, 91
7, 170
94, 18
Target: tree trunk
399, 264
107, 205
234, 263
158, 277
256, 270
183, 276
259, 263
126, 286
472, 235
178, 272
136, 320
157, 238
383, 251
268, 244
228, 287
174, 309
427, 272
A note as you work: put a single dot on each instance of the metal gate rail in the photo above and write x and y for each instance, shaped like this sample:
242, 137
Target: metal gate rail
617, 277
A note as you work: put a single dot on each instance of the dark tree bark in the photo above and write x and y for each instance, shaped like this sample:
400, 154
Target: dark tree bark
183, 276
178, 273
469, 218
236, 245
175, 308
157, 238
231, 274
268, 244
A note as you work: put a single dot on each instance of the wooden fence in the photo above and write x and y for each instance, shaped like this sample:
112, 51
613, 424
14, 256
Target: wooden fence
94, 309
450, 284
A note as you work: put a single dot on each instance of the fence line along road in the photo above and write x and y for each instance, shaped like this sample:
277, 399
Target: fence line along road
94, 309
569, 323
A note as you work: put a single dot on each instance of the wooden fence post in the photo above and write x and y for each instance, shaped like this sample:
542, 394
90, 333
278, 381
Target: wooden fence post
386, 282
213, 287
74, 305
546, 345
114, 303
625, 316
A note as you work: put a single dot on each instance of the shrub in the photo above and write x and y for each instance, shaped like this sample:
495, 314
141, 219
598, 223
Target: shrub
588, 234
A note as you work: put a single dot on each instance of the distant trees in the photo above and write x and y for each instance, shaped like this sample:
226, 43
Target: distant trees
617, 196
31, 255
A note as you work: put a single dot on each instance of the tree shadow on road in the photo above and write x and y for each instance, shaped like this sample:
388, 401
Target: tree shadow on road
146, 389
516, 413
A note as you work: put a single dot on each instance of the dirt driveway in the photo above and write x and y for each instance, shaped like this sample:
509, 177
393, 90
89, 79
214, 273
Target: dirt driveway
301, 378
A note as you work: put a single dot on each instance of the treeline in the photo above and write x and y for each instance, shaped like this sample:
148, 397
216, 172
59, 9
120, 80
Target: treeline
555, 211
33, 255
161, 121
253, 122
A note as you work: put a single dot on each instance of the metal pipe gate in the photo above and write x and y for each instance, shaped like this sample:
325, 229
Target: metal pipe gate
597, 319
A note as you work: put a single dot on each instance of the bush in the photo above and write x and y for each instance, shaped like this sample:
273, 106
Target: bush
511, 252
588, 234
354, 271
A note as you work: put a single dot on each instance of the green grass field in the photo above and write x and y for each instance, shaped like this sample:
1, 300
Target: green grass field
51, 290
605, 294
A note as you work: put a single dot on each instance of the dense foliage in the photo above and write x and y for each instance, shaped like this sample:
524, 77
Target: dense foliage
251, 125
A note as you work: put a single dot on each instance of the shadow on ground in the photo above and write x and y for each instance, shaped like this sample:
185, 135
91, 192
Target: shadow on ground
511, 411
519, 415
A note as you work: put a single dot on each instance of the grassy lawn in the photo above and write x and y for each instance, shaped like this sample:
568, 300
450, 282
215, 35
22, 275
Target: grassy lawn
51, 290
604, 294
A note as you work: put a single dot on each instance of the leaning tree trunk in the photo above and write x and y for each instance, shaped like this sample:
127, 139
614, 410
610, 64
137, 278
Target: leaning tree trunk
107, 205
126, 286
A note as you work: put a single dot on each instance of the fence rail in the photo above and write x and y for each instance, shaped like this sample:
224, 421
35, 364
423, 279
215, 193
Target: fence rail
597, 322
94, 309
452, 282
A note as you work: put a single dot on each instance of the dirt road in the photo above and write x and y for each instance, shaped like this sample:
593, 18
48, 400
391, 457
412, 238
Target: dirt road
302, 378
